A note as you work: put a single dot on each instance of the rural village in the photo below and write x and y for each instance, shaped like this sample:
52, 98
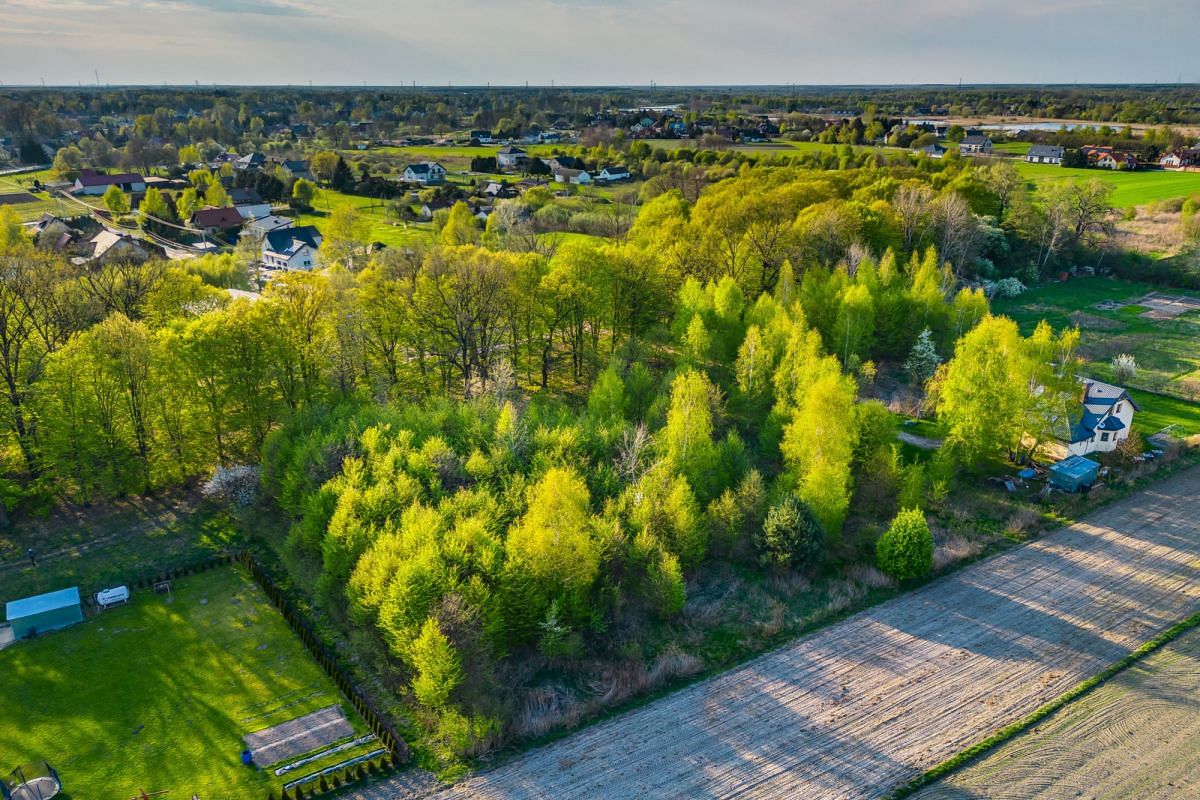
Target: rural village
568, 442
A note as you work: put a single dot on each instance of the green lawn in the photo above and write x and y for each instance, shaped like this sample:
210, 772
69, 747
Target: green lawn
157, 694
1166, 351
1157, 411
384, 227
1018, 148
1131, 188
44, 204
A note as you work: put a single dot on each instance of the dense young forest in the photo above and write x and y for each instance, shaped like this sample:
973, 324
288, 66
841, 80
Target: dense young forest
505, 458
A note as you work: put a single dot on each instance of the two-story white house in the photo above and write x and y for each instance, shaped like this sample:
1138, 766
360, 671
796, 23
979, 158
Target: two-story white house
1106, 420
510, 156
291, 248
424, 172
975, 144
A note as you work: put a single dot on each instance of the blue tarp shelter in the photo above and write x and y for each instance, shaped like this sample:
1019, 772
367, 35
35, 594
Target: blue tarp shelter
45, 612
1074, 473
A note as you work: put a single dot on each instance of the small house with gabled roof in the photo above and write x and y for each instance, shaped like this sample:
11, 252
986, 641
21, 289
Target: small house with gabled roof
1106, 420
424, 172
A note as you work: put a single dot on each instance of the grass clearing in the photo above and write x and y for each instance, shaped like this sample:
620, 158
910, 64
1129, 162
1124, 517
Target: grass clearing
94, 548
158, 694
1165, 350
41, 204
1130, 188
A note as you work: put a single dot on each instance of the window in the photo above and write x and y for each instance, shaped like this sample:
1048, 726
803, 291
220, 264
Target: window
1117, 410
1104, 437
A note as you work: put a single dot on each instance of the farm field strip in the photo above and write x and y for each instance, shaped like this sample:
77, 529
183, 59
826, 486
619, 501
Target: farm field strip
1134, 736
855, 709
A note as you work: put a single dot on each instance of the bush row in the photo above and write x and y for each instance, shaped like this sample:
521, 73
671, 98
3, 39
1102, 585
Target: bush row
338, 780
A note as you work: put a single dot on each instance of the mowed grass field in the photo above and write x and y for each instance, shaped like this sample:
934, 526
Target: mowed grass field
157, 694
1137, 736
1167, 351
42, 202
382, 225
1129, 188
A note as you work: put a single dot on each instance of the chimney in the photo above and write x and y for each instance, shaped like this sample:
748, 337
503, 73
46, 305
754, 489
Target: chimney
1087, 387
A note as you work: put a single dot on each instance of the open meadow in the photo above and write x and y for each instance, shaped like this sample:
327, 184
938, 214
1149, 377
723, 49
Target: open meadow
28, 206
1168, 358
157, 694
1136, 736
1136, 188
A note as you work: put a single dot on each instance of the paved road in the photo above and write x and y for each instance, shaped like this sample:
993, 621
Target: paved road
857, 708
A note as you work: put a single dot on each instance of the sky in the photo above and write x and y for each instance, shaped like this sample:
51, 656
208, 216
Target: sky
597, 42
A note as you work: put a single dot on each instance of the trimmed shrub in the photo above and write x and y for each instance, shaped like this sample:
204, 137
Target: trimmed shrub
905, 551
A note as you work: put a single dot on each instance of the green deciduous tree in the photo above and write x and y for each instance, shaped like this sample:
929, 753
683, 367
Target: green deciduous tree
687, 439
115, 200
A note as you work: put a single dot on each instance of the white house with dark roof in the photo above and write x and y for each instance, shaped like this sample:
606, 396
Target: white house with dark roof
510, 156
975, 144
1045, 154
291, 248
424, 172
295, 168
249, 203
577, 177
1106, 420
93, 183
613, 173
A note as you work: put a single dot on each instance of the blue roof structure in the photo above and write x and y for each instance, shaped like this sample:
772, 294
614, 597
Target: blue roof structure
1074, 472
287, 241
39, 604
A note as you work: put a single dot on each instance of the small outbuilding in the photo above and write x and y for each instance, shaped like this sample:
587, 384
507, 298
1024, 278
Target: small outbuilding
45, 612
1074, 473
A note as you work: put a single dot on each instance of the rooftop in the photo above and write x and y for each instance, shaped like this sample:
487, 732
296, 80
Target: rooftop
50, 601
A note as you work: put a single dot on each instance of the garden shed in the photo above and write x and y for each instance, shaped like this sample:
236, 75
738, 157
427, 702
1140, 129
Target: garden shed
44, 612
1074, 473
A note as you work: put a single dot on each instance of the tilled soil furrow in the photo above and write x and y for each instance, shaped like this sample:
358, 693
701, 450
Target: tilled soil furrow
864, 705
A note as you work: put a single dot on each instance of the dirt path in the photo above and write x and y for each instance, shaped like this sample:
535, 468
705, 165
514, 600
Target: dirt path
923, 442
1136, 736
857, 708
